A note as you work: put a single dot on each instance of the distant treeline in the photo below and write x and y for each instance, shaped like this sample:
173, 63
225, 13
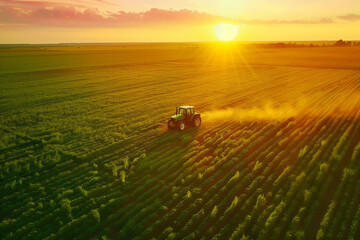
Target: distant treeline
339, 43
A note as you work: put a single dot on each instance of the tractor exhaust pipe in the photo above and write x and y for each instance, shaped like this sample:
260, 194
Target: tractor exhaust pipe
176, 111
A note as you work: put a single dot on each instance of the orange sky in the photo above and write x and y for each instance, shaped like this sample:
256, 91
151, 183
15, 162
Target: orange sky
52, 21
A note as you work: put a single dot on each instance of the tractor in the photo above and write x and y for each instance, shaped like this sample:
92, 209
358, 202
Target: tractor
185, 116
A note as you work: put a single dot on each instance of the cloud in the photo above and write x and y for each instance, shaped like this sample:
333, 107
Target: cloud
70, 16
350, 17
19, 13
31, 5
105, 2
320, 21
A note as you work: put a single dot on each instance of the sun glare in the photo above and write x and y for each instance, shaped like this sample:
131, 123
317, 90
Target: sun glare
226, 32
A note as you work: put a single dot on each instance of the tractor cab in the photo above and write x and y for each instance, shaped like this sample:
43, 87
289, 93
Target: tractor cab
185, 116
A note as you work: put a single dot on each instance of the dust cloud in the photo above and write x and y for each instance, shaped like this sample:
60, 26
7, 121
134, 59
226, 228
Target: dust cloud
255, 113
284, 111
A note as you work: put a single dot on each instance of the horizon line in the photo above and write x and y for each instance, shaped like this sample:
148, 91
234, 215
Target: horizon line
159, 42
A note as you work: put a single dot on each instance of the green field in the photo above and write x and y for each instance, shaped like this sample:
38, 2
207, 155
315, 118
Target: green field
85, 152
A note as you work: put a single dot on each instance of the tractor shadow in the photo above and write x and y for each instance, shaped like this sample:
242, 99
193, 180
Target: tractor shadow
174, 136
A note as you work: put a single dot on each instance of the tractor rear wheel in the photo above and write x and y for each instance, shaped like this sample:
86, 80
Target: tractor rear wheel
181, 125
197, 122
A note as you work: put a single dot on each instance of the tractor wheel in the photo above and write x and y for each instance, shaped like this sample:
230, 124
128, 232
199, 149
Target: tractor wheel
181, 125
169, 125
197, 122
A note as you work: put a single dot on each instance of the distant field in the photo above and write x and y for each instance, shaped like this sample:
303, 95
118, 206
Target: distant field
85, 151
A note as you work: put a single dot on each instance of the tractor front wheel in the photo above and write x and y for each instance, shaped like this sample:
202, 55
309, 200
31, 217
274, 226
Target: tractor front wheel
197, 122
181, 125
169, 124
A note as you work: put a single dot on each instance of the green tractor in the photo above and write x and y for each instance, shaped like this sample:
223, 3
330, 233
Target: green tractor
184, 117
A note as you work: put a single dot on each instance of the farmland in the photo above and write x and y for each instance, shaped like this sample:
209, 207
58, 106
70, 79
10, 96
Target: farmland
85, 151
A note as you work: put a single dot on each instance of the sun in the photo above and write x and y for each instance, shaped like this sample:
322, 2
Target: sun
226, 32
